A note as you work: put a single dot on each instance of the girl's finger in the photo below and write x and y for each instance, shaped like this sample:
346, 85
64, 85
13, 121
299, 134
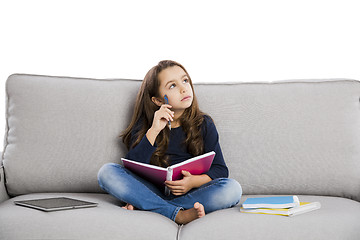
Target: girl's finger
173, 183
166, 106
170, 112
176, 188
168, 117
163, 111
177, 192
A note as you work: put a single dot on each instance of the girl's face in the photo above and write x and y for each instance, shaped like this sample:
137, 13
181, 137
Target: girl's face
175, 83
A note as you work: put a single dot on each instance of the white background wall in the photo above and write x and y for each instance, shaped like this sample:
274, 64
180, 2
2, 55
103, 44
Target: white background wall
257, 40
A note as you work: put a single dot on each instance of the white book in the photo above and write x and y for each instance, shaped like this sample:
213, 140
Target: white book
303, 208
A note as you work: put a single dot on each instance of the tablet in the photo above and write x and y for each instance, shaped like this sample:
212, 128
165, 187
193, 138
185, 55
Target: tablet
55, 204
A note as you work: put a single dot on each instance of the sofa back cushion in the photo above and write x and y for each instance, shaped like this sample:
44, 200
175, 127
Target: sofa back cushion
61, 130
289, 137
285, 137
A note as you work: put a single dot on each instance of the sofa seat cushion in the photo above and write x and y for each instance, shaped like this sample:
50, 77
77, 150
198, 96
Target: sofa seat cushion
106, 221
338, 218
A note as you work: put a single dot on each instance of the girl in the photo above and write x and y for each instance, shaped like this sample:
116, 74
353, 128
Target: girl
150, 140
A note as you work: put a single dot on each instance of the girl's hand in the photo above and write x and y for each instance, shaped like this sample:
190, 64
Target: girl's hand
162, 117
182, 186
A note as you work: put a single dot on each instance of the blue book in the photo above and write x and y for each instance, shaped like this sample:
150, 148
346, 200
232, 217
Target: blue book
272, 202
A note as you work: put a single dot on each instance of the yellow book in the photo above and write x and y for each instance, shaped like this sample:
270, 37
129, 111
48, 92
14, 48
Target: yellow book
303, 208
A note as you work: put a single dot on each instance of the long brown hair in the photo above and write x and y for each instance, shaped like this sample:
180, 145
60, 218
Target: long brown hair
191, 120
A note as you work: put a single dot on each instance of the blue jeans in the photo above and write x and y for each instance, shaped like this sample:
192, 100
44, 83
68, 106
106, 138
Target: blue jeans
128, 187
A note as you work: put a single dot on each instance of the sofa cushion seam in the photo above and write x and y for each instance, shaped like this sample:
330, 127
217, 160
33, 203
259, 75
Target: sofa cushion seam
179, 231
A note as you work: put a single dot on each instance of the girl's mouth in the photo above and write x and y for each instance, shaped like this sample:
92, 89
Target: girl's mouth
186, 98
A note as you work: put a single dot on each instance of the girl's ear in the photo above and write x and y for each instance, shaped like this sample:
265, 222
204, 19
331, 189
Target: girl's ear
157, 101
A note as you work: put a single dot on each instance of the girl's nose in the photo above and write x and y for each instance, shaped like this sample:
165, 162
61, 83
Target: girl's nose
183, 89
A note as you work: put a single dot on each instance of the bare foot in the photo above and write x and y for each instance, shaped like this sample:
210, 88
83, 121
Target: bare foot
129, 207
186, 216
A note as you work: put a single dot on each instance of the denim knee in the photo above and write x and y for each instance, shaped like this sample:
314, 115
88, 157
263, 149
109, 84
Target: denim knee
105, 173
228, 195
235, 190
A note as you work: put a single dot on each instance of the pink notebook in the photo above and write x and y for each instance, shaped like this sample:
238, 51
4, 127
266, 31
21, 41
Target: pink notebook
158, 175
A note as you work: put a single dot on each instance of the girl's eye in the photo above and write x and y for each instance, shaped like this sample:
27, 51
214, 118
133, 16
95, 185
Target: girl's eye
172, 85
186, 80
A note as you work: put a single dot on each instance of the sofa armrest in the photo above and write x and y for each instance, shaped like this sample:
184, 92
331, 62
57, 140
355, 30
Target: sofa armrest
3, 193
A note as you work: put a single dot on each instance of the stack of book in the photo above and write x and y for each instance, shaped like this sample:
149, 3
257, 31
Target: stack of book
283, 205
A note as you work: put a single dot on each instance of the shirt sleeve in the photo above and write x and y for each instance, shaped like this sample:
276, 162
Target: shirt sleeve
218, 168
141, 152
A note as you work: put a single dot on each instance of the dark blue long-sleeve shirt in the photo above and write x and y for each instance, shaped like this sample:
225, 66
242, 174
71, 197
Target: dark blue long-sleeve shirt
177, 151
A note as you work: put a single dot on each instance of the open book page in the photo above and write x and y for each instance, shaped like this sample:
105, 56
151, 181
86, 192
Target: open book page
153, 173
196, 166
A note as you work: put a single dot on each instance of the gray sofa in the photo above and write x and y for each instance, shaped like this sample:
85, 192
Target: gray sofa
296, 137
